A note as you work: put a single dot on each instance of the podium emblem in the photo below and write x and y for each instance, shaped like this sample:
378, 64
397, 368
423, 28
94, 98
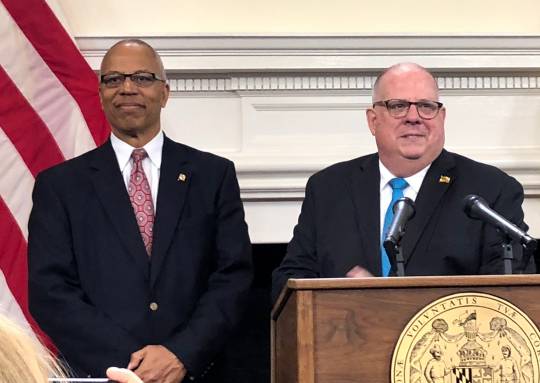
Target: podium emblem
468, 338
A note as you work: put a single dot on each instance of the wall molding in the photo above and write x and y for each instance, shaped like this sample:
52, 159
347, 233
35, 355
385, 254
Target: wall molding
224, 54
295, 82
306, 63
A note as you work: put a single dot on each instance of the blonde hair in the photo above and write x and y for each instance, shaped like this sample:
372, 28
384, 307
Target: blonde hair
23, 359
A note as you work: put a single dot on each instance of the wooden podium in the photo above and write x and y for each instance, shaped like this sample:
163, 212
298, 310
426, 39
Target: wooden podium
346, 330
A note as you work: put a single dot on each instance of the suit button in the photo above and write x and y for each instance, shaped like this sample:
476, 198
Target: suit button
153, 306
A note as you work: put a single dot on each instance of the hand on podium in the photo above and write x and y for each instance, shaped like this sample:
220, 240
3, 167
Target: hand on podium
358, 272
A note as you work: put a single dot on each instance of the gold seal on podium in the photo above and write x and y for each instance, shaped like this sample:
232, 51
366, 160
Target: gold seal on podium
468, 338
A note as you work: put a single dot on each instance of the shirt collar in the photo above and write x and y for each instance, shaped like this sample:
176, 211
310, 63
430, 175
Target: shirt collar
414, 181
123, 150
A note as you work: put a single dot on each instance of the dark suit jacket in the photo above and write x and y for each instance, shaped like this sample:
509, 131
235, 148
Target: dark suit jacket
339, 225
91, 282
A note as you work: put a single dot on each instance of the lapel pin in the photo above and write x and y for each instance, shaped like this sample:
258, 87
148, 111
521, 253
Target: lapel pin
182, 177
444, 180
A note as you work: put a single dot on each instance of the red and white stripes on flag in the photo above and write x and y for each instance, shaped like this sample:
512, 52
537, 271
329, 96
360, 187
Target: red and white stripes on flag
49, 112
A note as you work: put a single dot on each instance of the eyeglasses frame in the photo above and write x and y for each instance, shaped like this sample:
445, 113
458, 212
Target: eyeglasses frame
126, 76
415, 103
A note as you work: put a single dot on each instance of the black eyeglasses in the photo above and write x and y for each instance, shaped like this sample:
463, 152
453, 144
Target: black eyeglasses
140, 79
399, 108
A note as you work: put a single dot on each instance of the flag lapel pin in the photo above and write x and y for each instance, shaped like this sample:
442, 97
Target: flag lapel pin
444, 180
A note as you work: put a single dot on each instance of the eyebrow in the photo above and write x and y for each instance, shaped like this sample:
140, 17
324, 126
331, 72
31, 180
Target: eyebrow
137, 71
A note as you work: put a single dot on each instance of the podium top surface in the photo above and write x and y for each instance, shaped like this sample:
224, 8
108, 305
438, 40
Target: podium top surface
402, 282
431, 281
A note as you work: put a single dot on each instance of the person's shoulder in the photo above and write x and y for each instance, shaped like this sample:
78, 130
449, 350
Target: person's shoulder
475, 168
200, 159
72, 166
198, 154
343, 169
482, 177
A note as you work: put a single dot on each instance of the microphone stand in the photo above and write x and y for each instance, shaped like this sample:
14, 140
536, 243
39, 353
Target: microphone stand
508, 255
395, 251
524, 255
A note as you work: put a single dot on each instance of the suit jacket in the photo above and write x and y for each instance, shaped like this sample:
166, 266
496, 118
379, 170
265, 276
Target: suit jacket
339, 224
94, 290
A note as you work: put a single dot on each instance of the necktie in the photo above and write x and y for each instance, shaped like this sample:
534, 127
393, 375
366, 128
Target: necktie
398, 185
141, 199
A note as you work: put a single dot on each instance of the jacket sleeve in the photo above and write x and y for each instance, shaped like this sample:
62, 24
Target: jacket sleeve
56, 299
301, 259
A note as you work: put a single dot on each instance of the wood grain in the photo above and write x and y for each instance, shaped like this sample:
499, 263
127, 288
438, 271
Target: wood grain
356, 323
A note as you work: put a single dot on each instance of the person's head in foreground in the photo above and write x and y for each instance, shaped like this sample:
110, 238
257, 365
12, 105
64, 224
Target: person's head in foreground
23, 359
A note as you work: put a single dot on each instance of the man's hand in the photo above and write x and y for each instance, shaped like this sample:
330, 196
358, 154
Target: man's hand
358, 272
156, 364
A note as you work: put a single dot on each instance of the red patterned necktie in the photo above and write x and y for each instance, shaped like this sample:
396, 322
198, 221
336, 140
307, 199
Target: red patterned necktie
141, 199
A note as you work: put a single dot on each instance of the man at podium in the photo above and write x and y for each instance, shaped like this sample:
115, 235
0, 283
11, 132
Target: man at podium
348, 205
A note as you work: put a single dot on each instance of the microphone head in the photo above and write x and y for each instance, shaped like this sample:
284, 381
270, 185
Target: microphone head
407, 204
469, 205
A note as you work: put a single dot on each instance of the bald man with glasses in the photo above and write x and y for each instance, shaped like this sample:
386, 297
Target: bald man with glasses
347, 205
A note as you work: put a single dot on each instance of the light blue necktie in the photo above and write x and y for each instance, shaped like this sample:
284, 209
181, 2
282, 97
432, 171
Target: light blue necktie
398, 185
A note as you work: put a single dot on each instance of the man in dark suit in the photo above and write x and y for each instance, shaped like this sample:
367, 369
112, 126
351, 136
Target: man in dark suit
339, 230
139, 258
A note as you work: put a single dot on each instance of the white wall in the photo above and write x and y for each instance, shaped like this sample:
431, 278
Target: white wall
320, 17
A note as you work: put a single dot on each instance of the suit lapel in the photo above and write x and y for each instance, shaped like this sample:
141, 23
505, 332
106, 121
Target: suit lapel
174, 180
111, 191
365, 189
436, 182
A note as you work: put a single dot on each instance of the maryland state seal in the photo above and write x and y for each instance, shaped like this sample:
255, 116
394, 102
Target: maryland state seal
468, 338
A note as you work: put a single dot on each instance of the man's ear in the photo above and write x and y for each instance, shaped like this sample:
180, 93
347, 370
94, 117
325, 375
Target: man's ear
371, 117
166, 91
442, 112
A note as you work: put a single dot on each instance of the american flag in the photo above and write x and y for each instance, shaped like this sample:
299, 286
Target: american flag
49, 112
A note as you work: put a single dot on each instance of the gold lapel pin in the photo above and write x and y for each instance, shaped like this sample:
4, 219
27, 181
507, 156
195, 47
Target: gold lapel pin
444, 180
182, 177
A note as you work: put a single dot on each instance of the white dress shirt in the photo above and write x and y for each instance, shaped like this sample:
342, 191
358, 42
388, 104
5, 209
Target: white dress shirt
151, 164
411, 191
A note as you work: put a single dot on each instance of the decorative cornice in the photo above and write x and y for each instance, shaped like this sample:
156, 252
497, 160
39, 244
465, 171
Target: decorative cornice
306, 63
226, 54
331, 81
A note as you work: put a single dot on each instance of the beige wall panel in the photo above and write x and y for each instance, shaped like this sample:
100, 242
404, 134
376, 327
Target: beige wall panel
207, 122
320, 17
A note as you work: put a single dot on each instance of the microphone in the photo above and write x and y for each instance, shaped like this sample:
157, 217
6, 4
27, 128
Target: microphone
477, 208
403, 212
